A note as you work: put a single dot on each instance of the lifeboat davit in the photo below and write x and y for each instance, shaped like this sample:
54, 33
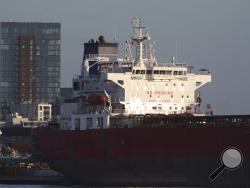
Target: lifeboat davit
97, 99
198, 100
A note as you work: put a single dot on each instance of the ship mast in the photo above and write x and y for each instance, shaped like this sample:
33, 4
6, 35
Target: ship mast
138, 37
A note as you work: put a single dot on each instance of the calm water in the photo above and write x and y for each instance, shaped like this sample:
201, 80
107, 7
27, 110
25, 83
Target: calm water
54, 186
36, 186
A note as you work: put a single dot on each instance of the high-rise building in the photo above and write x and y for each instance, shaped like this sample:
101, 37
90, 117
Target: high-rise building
29, 64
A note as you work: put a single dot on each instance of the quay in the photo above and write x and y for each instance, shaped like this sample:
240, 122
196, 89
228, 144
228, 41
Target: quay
26, 170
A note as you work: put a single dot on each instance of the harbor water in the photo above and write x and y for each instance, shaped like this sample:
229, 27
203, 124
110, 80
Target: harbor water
55, 186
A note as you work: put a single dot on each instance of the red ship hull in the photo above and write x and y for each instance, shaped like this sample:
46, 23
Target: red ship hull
146, 156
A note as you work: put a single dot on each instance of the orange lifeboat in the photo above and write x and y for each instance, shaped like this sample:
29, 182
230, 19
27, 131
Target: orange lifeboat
97, 99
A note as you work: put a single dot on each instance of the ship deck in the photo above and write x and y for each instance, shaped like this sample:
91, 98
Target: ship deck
186, 120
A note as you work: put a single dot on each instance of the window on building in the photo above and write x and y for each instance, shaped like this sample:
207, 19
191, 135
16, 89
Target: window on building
100, 122
76, 86
4, 46
88, 122
77, 123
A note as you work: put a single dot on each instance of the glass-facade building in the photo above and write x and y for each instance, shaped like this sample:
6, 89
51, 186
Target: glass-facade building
29, 63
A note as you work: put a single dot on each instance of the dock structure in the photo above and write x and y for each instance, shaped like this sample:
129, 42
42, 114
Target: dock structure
27, 170
20, 159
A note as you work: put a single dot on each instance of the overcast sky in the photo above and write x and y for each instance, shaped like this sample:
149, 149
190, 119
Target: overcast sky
213, 34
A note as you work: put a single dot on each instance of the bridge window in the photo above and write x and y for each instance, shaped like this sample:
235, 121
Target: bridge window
137, 72
162, 72
149, 71
156, 71
198, 83
142, 71
120, 82
168, 72
180, 72
175, 72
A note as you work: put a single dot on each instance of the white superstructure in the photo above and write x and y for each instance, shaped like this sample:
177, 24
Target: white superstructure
135, 87
164, 90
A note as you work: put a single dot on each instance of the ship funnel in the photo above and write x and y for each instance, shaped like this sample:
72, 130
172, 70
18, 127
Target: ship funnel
101, 39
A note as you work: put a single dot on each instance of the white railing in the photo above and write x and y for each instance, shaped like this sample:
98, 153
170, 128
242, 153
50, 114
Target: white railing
93, 56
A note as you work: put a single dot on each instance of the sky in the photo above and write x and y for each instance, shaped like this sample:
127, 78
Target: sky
212, 34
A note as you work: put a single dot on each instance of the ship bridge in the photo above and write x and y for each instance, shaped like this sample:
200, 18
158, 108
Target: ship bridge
152, 88
156, 91
160, 72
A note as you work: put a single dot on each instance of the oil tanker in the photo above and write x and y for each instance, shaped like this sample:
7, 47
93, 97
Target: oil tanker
134, 121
